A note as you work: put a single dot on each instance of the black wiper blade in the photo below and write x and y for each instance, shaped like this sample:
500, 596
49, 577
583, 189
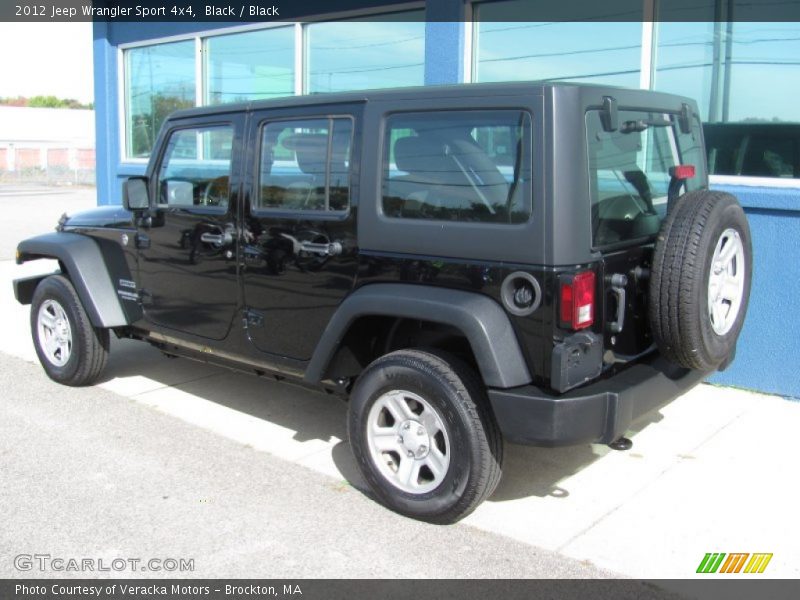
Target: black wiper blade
633, 126
642, 124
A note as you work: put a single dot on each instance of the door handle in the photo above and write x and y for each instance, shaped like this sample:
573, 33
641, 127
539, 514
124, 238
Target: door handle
618, 282
211, 238
142, 241
330, 249
216, 238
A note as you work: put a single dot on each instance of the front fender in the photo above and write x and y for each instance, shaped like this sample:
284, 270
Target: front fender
84, 264
481, 319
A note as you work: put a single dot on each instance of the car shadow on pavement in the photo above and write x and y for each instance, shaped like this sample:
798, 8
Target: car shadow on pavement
312, 415
537, 471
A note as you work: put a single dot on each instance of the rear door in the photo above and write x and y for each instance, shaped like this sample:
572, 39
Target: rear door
299, 238
629, 179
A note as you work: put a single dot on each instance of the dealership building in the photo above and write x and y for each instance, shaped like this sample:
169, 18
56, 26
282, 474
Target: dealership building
744, 75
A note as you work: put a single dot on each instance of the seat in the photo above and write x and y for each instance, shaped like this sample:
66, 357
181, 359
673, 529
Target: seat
428, 174
311, 150
452, 177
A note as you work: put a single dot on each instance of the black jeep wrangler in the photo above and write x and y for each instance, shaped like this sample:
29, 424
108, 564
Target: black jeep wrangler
530, 261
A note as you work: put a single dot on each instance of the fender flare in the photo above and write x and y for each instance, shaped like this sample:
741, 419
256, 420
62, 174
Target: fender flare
83, 261
482, 321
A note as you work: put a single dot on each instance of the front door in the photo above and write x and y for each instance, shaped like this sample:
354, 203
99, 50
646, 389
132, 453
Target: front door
187, 256
299, 245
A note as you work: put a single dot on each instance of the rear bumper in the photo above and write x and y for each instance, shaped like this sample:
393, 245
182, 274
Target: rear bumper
599, 412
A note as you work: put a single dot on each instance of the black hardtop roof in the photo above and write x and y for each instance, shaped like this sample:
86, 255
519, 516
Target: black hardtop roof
534, 88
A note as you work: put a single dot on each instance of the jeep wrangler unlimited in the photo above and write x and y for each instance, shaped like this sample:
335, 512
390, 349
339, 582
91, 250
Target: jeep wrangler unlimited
540, 263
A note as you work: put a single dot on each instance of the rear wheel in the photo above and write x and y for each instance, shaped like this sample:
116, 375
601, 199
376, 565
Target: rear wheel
423, 435
70, 349
700, 281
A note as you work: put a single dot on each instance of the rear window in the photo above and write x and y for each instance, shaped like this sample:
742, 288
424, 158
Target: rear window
629, 172
458, 166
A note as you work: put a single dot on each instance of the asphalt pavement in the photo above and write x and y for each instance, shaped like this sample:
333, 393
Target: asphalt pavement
176, 459
90, 473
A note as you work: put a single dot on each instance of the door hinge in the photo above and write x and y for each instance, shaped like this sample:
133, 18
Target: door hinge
253, 318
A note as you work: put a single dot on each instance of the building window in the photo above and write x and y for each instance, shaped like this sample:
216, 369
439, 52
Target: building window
745, 79
588, 52
363, 53
249, 66
159, 80
458, 166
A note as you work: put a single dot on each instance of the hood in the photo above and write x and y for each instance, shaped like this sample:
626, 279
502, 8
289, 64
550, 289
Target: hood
102, 216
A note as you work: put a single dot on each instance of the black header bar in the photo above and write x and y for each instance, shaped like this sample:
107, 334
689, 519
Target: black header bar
394, 589
248, 11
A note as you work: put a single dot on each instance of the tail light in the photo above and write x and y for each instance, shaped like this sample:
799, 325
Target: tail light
682, 172
577, 300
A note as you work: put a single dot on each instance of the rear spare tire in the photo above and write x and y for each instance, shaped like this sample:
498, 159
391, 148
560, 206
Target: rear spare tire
700, 280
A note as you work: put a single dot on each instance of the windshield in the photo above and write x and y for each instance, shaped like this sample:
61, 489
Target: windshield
629, 172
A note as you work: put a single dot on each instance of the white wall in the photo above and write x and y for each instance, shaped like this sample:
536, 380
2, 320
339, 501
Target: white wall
48, 127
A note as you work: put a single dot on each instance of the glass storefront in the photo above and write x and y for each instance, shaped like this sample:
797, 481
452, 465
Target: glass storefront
744, 75
252, 65
364, 54
159, 79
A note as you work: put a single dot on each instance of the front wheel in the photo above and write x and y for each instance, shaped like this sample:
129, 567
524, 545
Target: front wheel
72, 351
423, 436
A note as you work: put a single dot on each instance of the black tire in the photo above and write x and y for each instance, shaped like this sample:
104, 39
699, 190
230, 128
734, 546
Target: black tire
89, 344
474, 442
679, 285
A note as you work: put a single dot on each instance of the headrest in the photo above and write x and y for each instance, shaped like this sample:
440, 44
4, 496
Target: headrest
311, 150
418, 155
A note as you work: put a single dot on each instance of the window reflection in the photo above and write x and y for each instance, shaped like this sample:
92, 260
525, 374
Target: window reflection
362, 54
736, 71
159, 80
249, 66
585, 52
196, 167
744, 77
305, 165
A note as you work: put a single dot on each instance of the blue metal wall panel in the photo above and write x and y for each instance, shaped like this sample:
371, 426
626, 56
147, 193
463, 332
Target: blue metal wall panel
105, 114
766, 356
444, 42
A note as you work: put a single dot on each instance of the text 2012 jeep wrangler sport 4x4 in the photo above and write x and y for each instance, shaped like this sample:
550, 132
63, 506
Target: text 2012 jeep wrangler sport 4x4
530, 261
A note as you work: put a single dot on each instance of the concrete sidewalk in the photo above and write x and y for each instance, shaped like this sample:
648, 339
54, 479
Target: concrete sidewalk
712, 472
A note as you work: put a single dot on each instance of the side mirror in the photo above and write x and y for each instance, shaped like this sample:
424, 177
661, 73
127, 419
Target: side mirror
134, 194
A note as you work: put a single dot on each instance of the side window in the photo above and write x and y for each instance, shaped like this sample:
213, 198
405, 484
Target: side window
195, 169
458, 166
305, 164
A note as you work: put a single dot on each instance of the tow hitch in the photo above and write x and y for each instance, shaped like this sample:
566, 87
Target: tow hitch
622, 443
